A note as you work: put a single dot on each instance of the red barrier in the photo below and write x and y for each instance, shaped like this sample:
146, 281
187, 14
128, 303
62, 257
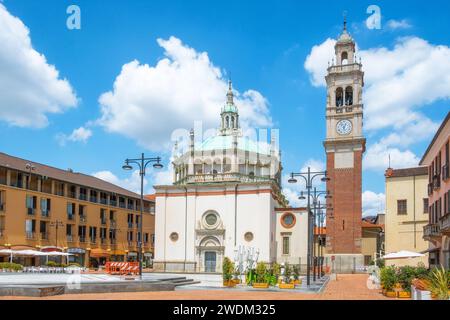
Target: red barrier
122, 268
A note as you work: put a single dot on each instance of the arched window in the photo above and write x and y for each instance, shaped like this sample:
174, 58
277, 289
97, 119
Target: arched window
349, 96
339, 97
232, 122
228, 121
344, 58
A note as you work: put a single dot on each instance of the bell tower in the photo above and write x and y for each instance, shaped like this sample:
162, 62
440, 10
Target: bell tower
344, 147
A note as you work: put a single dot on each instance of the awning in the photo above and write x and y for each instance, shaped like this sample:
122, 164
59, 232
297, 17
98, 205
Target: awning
431, 250
96, 253
118, 253
402, 255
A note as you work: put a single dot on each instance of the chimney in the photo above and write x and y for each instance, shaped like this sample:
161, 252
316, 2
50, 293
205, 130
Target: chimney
389, 172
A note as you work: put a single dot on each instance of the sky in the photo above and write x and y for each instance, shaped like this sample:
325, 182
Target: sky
135, 71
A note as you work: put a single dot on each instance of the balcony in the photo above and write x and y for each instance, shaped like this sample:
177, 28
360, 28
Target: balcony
82, 239
345, 68
430, 188
82, 197
31, 211
93, 199
45, 213
446, 172
44, 236
222, 177
431, 232
70, 217
103, 201
70, 238
444, 224
113, 203
30, 235
436, 182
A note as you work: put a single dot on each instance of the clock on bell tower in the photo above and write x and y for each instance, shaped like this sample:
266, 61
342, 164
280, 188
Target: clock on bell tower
344, 146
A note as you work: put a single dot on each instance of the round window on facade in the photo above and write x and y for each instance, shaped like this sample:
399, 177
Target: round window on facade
248, 236
211, 219
288, 220
174, 236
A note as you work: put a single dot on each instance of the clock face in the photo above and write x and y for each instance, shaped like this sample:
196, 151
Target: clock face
344, 127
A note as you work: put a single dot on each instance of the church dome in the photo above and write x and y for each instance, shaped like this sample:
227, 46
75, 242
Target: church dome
229, 108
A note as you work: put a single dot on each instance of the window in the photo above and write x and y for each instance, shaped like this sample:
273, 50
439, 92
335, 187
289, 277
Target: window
145, 237
348, 96
425, 205
45, 207
153, 238
92, 234
31, 204
211, 219
70, 210
174, 236
130, 236
248, 236
2, 200
339, 97
82, 233
286, 242
30, 227
402, 207
288, 220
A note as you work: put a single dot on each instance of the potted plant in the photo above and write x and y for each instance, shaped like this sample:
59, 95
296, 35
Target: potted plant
273, 274
296, 275
261, 271
439, 283
227, 272
405, 276
288, 284
388, 278
236, 276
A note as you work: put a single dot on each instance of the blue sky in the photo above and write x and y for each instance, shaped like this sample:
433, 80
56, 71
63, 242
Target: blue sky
262, 45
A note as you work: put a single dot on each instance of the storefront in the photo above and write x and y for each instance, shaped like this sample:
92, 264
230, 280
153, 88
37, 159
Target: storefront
78, 256
148, 260
45, 259
98, 258
118, 256
132, 256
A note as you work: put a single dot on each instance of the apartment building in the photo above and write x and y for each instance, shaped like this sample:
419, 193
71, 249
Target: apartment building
437, 231
45, 208
406, 213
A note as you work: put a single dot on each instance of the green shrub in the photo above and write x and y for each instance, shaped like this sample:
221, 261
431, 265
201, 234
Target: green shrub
421, 271
227, 269
51, 264
261, 271
405, 275
439, 283
273, 274
287, 273
388, 277
74, 264
296, 272
11, 266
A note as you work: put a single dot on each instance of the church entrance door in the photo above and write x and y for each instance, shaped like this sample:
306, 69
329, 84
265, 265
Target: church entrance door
210, 261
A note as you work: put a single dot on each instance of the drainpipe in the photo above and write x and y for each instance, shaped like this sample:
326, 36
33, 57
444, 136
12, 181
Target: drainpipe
414, 212
185, 229
235, 215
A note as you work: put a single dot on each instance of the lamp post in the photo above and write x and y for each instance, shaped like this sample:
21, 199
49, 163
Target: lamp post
316, 207
309, 177
142, 163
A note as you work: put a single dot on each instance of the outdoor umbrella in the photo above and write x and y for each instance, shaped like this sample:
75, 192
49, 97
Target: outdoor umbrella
402, 255
9, 252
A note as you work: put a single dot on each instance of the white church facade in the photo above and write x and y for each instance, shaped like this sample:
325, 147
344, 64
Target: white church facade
226, 195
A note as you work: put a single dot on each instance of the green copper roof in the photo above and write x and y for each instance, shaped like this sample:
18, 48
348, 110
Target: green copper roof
226, 142
229, 108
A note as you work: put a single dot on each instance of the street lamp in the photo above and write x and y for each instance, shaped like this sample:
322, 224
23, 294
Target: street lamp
142, 163
309, 177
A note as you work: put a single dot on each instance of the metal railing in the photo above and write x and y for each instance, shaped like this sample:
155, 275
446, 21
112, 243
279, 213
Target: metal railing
446, 172
44, 236
431, 230
221, 177
30, 235
70, 238
345, 68
444, 223
45, 213
31, 211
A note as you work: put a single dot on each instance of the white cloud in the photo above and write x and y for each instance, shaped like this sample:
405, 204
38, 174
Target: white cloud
30, 88
373, 203
81, 134
132, 183
148, 103
377, 158
316, 62
398, 24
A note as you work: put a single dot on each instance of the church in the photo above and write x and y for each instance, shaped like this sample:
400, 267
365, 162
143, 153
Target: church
227, 194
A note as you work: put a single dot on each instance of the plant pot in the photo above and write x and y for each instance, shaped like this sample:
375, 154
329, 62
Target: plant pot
260, 285
237, 281
404, 294
287, 286
298, 282
229, 283
391, 294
